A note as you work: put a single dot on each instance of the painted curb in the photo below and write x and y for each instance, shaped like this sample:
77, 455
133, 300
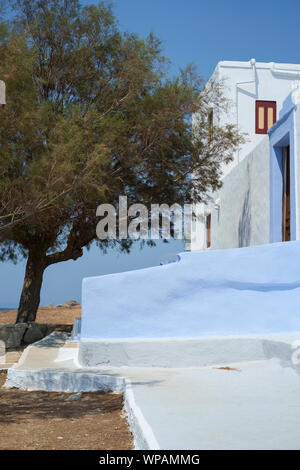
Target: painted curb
72, 381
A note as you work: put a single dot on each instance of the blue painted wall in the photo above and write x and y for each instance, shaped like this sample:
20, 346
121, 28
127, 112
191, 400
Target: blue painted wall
281, 135
251, 290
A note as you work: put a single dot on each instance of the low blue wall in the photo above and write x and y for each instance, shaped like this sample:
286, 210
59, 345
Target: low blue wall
242, 291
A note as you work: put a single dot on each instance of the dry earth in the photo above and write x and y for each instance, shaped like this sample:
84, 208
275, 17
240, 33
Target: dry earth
57, 315
44, 420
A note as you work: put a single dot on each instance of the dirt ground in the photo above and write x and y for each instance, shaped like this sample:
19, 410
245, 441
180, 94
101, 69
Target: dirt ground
57, 315
45, 421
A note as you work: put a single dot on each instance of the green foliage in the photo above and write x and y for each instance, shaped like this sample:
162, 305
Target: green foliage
91, 114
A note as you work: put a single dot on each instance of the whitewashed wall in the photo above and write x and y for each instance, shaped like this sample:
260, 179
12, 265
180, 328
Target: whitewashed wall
268, 85
270, 82
244, 215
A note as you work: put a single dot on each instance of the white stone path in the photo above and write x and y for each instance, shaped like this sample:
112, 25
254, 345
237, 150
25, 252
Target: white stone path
255, 407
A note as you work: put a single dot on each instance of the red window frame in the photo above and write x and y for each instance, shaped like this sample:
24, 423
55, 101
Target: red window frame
266, 105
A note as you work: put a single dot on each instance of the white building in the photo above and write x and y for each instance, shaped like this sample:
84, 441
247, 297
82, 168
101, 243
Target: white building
163, 316
257, 92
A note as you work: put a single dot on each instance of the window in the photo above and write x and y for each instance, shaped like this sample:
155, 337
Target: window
208, 231
265, 116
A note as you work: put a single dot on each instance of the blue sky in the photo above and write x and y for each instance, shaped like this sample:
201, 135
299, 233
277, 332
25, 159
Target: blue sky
206, 31
197, 31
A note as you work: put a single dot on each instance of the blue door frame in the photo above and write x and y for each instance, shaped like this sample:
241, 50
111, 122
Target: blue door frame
281, 135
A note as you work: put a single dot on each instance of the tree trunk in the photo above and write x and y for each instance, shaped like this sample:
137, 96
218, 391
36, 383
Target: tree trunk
30, 297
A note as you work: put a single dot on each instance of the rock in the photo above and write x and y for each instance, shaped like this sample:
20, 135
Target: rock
76, 396
37, 331
49, 329
12, 334
33, 333
71, 303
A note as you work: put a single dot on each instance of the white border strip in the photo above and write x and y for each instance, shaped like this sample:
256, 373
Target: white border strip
144, 438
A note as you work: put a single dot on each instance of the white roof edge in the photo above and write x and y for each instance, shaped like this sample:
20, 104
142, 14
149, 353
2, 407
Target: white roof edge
263, 65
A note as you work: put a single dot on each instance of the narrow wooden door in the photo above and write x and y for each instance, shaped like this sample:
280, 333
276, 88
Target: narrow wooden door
208, 230
286, 207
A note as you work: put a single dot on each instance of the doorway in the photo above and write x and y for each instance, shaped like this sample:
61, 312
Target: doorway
283, 181
208, 230
286, 204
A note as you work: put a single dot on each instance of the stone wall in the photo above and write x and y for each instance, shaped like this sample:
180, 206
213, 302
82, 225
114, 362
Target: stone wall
14, 335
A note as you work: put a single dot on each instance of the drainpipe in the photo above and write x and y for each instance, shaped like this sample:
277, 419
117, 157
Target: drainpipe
237, 85
2, 93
